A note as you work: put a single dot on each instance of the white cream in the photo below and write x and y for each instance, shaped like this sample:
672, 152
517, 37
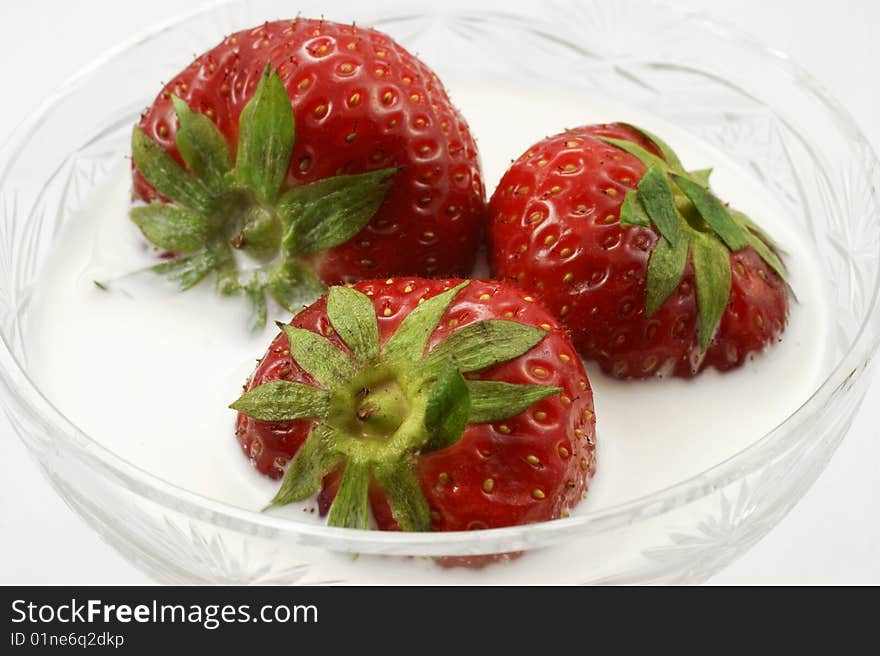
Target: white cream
149, 372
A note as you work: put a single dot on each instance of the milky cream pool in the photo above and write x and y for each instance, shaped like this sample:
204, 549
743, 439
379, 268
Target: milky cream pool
149, 372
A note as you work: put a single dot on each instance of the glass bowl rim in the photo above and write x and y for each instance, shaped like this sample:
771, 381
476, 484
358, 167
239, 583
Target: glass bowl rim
29, 398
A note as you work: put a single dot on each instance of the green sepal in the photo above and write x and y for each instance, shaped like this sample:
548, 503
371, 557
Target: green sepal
166, 175
173, 228
634, 149
331, 211
665, 270
446, 414
712, 274
281, 400
486, 343
188, 271
765, 247
493, 400
409, 341
293, 286
315, 459
351, 506
656, 196
353, 317
713, 212
257, 298
701, 176
227, 282
664, 148
202, 146
763, 244
322, 360
747, 224
768, 256
632, 213
408, 505
266, 137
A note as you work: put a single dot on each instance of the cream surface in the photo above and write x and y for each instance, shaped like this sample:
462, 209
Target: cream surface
149, 372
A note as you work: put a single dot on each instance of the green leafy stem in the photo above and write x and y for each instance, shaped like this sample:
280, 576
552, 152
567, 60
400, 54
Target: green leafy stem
222, 209
691, 221
376, 408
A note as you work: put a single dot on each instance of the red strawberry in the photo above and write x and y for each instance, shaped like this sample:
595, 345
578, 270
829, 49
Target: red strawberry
351, 162
441, 404
647, 268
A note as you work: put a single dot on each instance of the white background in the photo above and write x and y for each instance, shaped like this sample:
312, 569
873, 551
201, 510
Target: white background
832, 536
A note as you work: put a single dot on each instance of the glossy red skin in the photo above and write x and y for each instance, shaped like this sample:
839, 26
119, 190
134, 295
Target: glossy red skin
431, 219
574, 185
498, 451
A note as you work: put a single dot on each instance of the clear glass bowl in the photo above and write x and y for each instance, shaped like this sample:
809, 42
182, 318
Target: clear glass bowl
764, 111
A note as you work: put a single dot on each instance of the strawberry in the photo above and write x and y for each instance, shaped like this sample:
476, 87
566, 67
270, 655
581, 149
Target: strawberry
325, 153
650, 271
438, 404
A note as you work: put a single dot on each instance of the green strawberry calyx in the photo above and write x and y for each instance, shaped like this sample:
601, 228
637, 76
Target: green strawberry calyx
375, 407
235, 218
693, 221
